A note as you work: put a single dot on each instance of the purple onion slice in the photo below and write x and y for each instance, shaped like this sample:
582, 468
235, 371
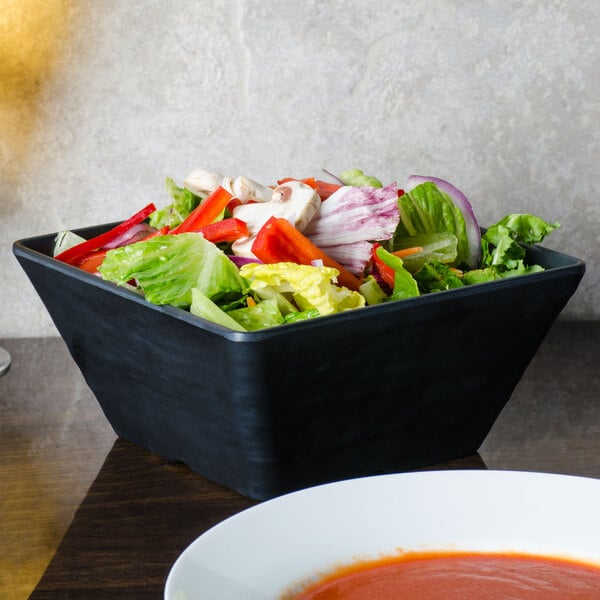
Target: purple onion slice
240, 261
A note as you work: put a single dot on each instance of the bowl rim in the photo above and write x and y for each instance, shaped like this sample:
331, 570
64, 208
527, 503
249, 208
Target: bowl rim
22, 248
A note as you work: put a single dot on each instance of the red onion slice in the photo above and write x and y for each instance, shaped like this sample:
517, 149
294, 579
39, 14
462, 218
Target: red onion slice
240, 261
133, 234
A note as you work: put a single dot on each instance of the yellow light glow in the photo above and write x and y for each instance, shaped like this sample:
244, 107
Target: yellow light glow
32, 36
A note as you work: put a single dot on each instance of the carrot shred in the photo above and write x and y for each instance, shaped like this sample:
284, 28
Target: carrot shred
408, 251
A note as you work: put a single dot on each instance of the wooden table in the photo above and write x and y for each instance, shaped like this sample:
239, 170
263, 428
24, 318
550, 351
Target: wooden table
141, 511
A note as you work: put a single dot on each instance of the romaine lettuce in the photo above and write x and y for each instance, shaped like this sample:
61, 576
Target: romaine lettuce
437, 277
184, 202
405, 285
372, 291
426, 210
204, 307
302, 315
261, 315
309, 287
439, 247
503, 244
356, 177
168, 267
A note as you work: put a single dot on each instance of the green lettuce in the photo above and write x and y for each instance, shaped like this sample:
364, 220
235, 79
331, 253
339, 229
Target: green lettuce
437, 277
284, 306
405, 285
184, 202
504, 248
526, 229
308, 287
263, 314
302, 315
480, 276
204, 307
440, 247
427, 210
168, 267
503, 244
356, 177
372, 291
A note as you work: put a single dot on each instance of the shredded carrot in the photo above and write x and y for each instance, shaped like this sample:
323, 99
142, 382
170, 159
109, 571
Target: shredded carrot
408, 251
250, 301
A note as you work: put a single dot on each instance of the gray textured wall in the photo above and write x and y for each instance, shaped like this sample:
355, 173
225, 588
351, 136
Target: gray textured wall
100, 101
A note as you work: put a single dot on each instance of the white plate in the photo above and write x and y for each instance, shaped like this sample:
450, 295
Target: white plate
261, 552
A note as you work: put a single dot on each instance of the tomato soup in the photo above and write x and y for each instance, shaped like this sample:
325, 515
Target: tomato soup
459, 577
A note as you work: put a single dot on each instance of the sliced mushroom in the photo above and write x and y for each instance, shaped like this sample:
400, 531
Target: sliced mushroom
203, 182
301, 201
243, 247
294, 201
245, 189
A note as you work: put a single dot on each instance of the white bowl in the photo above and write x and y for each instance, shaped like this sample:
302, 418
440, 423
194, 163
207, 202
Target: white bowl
271, 548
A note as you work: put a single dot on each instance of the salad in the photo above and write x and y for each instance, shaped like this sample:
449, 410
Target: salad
250, 256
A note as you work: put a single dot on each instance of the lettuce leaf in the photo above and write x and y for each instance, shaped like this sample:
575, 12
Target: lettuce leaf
440, 247
284, 306
168, 267
405, 285
356, 177
480, 276
204, 307
526, 229
492, 273
302, 315
307, 286
372, 291
260, 316
503, 244
65, 240
184, 202
427, 210
437, 277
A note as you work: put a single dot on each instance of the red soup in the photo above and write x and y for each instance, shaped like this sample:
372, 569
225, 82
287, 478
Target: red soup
458, 576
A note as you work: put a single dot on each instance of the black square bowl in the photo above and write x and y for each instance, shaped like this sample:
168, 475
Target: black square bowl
375, 390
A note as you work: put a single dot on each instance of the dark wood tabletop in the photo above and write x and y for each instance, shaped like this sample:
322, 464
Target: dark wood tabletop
142, 511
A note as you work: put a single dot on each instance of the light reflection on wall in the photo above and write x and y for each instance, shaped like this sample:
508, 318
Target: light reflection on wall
32, 37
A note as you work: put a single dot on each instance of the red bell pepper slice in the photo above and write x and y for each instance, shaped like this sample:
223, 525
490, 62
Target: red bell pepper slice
71, 255
308, 181
233, 204
279, 241
325, 189
387, 274
206, 212
227, 230
90, 262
